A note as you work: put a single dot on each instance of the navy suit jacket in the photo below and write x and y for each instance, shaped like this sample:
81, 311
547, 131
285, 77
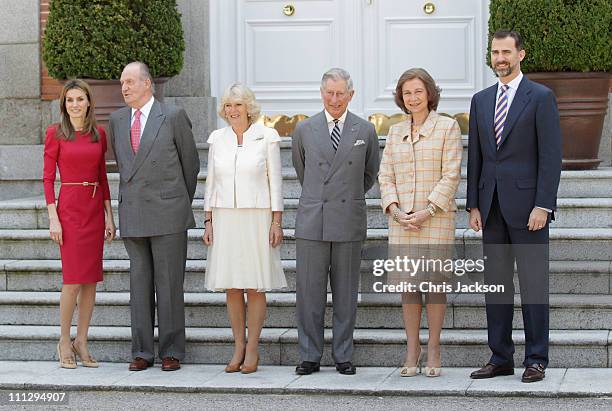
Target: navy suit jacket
526, 168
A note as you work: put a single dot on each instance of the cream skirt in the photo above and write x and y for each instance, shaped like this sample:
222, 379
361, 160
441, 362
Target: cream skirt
240, 255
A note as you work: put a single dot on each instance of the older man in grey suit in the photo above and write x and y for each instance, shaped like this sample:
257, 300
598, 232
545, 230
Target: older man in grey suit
335, 155
158, 164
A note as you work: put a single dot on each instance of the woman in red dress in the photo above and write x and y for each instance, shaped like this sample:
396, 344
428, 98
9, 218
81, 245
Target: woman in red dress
83, 216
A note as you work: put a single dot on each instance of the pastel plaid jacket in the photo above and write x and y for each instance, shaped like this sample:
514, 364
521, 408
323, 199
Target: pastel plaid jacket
428, 169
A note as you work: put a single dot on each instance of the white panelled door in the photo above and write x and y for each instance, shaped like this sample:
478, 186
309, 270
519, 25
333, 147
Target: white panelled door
450, 43
281, 56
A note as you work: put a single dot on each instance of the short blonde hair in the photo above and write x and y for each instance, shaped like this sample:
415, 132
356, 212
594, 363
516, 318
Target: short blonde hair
240, 92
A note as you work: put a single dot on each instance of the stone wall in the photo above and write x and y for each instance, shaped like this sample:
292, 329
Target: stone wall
20, 105
605, 148
19, 73
191, 88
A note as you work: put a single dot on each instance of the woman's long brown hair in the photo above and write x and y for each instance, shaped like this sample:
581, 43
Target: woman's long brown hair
65, 130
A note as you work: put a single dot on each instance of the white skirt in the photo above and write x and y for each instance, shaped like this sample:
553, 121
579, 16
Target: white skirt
241, 255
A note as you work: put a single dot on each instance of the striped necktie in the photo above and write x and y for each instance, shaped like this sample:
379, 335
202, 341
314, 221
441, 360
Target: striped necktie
335, 135
501, 111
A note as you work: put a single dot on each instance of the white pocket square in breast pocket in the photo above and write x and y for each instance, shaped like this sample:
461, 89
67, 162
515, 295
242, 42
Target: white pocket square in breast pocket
359, 143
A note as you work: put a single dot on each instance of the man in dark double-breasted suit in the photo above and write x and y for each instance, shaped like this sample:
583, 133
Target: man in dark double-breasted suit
514, 168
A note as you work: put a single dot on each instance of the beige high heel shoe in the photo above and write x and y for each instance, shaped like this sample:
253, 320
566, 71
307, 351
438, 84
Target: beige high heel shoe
433, 371
412, 371
85, 362
66, 362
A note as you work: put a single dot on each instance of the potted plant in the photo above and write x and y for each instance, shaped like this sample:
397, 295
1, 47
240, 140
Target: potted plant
95, 39
568, 50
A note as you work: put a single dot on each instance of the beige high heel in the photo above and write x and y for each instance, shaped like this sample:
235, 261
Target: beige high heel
67, 362
433, 371
412, 371
89, 362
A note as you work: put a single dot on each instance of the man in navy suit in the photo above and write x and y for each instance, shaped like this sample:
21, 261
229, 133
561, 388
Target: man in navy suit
514, 167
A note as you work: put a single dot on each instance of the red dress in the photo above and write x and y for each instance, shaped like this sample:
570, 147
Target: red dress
80, 214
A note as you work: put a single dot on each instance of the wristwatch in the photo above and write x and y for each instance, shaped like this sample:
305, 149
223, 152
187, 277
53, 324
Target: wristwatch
431, 209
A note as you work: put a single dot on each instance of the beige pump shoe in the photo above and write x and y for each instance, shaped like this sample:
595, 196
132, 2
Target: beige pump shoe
85, 362
433, 371
66, 362
412, 371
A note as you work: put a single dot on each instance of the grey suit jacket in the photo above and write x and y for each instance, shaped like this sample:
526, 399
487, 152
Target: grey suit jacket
158, 184
332, 204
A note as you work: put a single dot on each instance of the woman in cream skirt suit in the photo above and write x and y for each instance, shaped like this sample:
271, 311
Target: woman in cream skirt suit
243, 208
419, 175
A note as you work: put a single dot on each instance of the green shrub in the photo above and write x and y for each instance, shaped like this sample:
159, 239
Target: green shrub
559, 35
97, 38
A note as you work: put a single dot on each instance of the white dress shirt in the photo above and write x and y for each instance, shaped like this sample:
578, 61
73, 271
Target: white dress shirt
512, 87
144, 114
331, 124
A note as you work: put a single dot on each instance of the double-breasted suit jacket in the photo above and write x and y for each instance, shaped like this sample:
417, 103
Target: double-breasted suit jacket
415, 171
157, 184
332, 204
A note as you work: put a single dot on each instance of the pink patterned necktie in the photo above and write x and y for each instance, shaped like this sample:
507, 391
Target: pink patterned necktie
135, 132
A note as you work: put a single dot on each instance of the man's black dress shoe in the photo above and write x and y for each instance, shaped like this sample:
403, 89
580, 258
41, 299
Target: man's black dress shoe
533, 373
307, 368
346, 368
492, 370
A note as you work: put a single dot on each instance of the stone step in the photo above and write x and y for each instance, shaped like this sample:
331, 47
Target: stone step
574, 184
565, 244
278, 346
31, 213
566, 277
277, 387
376, 311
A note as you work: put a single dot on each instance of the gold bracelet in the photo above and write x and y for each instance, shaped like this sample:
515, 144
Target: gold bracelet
431, 209
276, 223
396, 214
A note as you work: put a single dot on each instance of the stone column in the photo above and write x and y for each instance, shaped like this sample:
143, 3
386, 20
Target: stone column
605, 147
20, 106
191, 88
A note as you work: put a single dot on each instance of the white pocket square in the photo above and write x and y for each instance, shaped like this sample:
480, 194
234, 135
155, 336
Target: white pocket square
359, 143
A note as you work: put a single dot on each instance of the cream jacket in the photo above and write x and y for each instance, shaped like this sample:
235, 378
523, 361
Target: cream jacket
246, 177
425, 170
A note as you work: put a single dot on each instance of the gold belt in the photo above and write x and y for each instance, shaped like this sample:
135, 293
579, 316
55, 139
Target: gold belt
95, 185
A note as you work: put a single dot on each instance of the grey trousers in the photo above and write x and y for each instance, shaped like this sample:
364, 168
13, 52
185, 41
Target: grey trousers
157, 269
316, 261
